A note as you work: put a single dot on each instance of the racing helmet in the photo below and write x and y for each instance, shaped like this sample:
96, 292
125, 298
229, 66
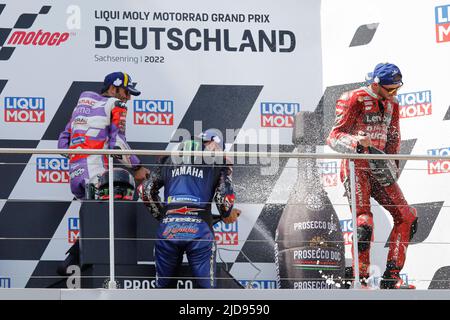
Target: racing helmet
123, 183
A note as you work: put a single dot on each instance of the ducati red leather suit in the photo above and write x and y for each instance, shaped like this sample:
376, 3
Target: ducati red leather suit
362, 110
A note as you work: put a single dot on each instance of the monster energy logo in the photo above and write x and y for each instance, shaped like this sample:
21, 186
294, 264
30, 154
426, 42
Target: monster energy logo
191, 145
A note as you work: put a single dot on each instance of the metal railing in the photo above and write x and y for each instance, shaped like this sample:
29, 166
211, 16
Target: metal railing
250, 154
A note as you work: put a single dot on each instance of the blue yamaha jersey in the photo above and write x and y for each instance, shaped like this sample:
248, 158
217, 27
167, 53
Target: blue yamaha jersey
185, 216
190, 185
189, 188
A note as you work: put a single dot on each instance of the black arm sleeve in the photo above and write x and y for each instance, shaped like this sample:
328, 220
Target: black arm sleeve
151, 196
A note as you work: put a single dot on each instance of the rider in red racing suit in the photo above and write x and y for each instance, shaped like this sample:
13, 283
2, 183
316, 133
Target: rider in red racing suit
365, 118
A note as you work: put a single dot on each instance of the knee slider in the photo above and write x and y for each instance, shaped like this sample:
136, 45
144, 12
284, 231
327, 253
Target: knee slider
364, 237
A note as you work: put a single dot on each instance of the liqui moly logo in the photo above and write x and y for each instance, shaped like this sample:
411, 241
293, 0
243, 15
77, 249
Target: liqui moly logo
439, 166
347, 231
442, 16
153, 112
24, 109
226, 234
328, 173
415, 104
38, 38
73, 229
19, 34
278, 114
5, 282
52, 170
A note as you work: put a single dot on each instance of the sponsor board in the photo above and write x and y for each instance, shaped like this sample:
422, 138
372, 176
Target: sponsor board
439, 166
226, 234
19, 34
192, 39
153, 112
308, 285
347, 231
442, 23
24, 109
258, 284
151, 284
328, 173
415, 104
73, 229
316, 258
5, 282
37, 38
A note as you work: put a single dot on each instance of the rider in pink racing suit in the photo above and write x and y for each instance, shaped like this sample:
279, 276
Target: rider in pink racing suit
369, 118
98, 122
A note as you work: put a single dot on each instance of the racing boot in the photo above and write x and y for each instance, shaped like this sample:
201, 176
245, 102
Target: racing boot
365, 235
391, 279
349, 279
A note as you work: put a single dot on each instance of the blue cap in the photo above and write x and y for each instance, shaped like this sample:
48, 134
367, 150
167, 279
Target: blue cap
120, 80
212, 135
385, 74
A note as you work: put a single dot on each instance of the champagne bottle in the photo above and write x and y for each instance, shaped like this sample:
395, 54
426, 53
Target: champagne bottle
309, 245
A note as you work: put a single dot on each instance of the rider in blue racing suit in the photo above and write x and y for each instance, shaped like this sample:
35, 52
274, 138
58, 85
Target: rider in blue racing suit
185, 215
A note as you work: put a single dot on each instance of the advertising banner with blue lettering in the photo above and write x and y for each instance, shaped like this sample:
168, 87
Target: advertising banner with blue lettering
245, 68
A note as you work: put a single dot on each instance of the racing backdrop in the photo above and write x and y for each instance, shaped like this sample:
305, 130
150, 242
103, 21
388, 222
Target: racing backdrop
245, 68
